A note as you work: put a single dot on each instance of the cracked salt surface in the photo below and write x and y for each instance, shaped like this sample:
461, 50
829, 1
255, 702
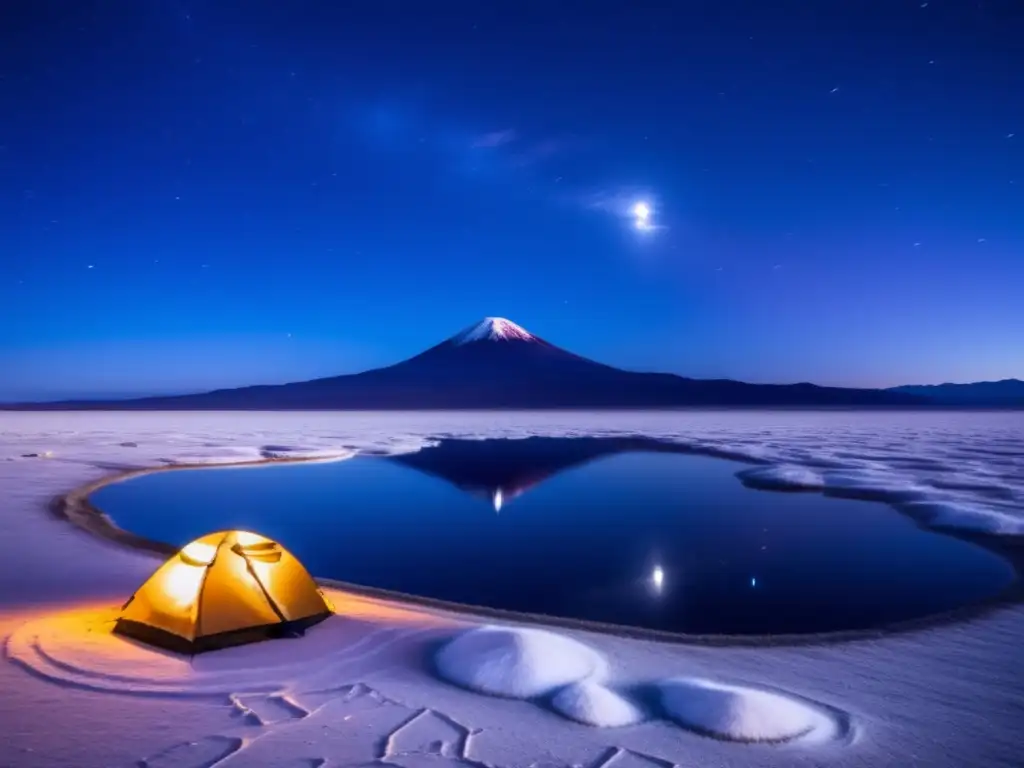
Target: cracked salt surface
361, 689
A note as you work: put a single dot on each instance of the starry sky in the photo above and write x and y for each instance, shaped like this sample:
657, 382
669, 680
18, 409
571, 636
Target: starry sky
201, 193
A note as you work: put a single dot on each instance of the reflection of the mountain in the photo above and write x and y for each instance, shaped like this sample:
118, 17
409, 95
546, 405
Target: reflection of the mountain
501, 470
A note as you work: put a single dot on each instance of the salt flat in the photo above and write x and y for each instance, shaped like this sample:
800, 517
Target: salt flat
390, 684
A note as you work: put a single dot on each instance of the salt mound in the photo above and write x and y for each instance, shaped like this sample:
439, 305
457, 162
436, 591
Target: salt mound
739, 714
964, 516
781, 477
590, 703
516, 662
300, 452
874, 484
928, 500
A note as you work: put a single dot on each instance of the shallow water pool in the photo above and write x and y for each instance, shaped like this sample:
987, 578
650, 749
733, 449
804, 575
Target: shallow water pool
581, 530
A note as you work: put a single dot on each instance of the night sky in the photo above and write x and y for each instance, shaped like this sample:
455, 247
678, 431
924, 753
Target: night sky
198, 194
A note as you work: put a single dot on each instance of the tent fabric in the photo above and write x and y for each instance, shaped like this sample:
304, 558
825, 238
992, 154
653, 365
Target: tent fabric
224, 589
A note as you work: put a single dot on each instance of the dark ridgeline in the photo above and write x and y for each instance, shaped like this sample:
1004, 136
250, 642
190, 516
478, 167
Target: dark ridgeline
495, 364
1008, 393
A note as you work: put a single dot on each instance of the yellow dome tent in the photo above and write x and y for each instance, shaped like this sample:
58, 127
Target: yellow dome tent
223, 589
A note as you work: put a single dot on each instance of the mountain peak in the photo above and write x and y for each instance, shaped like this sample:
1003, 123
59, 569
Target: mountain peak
493, 329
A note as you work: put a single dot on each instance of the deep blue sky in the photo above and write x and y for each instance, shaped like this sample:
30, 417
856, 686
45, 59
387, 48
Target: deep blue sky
197, 194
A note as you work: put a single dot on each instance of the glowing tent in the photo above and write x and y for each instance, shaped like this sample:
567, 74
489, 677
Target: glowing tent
224, 589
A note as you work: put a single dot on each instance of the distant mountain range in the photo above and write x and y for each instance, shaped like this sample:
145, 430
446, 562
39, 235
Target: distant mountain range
1007, 392
496, 364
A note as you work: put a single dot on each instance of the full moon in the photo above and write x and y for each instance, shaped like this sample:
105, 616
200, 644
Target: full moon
642, 216
658, 577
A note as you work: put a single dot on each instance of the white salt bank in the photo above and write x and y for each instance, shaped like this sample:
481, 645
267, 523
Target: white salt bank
591, 703
516, 662
740, 714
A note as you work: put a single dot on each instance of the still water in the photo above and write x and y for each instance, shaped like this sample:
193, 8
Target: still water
656, 540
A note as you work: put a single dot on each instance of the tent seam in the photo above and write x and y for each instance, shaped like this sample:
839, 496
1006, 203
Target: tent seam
202, 587
263, 589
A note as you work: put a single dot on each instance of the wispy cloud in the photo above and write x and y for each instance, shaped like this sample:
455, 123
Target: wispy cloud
495, 138
538, 152
618, 201
507, 154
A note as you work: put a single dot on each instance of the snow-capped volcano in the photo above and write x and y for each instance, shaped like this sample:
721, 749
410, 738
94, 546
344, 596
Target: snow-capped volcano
493, 329
497, 364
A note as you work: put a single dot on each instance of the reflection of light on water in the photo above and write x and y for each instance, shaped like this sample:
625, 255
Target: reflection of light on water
753, 581
658, 578
496, 498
